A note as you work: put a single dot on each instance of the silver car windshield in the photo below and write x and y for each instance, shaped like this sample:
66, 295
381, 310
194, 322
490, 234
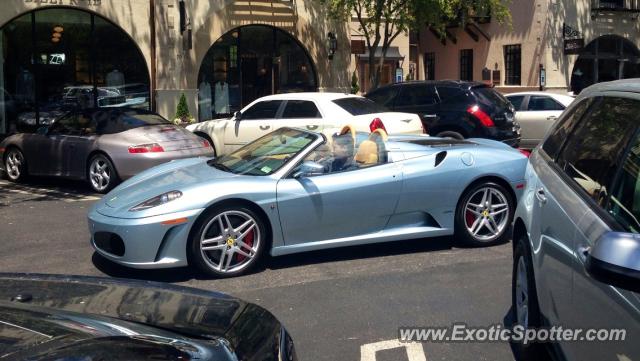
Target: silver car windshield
267, 154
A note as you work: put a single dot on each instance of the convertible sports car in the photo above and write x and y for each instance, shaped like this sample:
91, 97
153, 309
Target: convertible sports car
283, 193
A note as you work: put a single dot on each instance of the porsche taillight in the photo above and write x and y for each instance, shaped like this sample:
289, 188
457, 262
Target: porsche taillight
146, 148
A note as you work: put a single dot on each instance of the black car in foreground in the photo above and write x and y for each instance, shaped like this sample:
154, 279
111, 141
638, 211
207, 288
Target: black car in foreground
47, 317
456, 109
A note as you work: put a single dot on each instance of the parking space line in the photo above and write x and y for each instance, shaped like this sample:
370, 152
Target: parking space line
33, 191
415, 351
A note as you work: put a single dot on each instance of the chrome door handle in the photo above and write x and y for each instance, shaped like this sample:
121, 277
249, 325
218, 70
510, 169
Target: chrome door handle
432, 116
540, 195
312, 127
264, 127
552, 118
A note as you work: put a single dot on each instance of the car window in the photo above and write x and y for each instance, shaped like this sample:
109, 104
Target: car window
359, 106
516, 100
262, 110
116, 121
490, 96
415, 95
67, 125
384, 96
592, 152
559, 133
300, 109
447, 93
537, 103
624, 204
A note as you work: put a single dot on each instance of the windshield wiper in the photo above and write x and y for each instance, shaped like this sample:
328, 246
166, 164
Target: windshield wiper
220, 166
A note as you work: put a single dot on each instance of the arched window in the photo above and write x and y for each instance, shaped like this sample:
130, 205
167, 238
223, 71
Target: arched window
606, 58
250, 62
56, 59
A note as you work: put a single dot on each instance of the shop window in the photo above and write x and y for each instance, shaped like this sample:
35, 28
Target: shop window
512, 61
466, 64
430, 66
248, 63
58, 59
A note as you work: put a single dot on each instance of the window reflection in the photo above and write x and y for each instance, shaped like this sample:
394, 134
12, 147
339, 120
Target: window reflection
74, 59
248, 63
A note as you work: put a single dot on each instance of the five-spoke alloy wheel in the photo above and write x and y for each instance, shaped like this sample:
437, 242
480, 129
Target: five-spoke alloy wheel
15, 165
228, 241
484, 214
102, 174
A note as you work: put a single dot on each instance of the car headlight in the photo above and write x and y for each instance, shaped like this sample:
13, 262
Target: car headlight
157, 201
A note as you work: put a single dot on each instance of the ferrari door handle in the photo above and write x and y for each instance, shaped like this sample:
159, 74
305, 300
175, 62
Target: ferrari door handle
541, 196
552, 117
265, 127
312, 127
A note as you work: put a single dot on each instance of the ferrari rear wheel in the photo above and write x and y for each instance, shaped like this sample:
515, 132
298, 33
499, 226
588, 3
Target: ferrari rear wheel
484, 215
228, 242
15, 165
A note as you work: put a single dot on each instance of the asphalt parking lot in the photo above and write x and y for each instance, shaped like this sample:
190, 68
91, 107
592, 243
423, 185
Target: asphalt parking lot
341, 304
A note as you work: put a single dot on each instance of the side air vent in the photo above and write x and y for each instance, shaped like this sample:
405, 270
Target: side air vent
440, 157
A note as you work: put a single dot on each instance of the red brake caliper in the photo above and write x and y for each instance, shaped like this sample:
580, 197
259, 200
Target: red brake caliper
470, 218
248, 240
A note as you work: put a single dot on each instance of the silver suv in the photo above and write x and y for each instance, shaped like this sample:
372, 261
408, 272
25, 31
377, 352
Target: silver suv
576, 229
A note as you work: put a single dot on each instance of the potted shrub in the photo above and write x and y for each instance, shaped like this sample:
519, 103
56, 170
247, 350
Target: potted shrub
183, 117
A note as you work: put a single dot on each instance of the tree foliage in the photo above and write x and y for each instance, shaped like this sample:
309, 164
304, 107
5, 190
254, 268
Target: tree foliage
381, 21
182, 110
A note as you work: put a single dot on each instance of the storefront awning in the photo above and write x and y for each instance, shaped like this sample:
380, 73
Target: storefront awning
392, 54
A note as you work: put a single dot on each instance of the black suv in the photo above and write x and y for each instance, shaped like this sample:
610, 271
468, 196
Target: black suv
455, 109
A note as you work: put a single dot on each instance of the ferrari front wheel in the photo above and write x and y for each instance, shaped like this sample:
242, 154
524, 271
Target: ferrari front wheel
228, 241
484, 215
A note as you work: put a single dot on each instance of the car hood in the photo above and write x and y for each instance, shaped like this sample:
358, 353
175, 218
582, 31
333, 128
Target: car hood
174, 175
74, 317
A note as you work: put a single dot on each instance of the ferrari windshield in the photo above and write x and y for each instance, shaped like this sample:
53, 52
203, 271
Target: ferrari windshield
266, 155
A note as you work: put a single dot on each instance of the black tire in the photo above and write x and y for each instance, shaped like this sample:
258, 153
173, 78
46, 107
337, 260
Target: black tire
101, 181
15, 165
530, 351
484, 235
208, 139
450, 134
210, 262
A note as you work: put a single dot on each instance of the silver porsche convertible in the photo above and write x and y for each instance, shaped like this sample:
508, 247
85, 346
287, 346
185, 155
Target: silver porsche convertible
295, 190
101, 145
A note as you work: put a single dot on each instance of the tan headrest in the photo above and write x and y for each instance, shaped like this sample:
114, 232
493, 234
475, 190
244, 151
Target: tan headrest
367, 153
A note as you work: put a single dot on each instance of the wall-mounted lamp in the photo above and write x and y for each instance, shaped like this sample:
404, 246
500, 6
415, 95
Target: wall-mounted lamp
332, 44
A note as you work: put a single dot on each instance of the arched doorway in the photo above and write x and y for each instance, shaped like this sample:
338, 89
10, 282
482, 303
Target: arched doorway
609, 57
250, 62
56, 59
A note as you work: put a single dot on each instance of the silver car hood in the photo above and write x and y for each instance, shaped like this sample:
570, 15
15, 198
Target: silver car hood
176, 175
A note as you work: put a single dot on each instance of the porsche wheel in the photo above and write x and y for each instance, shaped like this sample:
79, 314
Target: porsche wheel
228, 241
484, 215
15, 165
101, 174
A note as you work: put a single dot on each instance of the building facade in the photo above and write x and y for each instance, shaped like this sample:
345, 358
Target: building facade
61, 54
562, 45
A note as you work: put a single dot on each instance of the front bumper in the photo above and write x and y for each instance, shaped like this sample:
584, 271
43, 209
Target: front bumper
148, 243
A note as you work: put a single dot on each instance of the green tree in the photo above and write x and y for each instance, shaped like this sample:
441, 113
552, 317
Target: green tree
381, 21
182, 110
